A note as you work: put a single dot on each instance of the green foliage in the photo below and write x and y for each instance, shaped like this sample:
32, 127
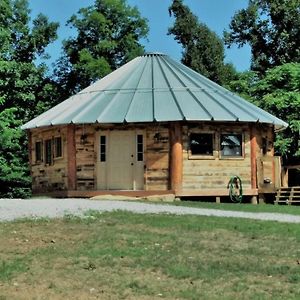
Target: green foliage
14, 173
25, 90
108, 35
277, 92
271, 28
203, 50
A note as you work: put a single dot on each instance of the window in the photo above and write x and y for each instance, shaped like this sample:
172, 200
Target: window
48, 152
140, 147
201, 143
231, 145
102, 148
57, 147
38, 151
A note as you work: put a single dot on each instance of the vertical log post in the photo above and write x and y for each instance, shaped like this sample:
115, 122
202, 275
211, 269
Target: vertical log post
29, 136
253, 149
71, 150
176, 156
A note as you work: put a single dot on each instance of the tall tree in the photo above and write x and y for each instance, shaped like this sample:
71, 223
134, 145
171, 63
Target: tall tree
24, 87
203, 50
279, 93
108, 35
271, 28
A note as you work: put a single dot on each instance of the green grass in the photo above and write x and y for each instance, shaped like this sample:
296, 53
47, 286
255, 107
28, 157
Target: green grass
130, 256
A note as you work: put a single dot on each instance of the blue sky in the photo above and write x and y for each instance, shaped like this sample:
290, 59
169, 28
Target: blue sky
215, 13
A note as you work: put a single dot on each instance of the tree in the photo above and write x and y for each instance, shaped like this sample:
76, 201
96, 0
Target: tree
279, 93
271, 28
24, 88
108, 35
203, 50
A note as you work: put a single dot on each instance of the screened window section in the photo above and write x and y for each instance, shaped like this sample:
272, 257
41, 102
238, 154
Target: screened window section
201, 143
58, 147
48, 152
231, 145
38, 151
102, 148
140, 147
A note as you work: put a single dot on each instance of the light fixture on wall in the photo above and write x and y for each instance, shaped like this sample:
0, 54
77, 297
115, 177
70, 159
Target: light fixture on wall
83, 139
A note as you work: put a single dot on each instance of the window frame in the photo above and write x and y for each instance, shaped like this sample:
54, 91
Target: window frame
101, 145
47, 163
137, 147
38, 161
202, 156
232, 157
55, 155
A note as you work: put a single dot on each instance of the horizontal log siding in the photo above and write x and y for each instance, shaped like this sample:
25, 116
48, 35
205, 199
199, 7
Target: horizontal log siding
157, 158
85, 157
54, 177
215, 173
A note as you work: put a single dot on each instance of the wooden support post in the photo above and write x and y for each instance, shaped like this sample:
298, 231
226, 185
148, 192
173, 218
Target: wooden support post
285, 177
261, 199
71, 150
218, 199
253, 147
254, 199
29, 136
176, 157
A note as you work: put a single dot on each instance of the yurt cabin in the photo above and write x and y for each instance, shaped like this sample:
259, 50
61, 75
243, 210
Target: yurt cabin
153, 126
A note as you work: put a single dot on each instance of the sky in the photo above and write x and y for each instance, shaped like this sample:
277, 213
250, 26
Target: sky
216, 14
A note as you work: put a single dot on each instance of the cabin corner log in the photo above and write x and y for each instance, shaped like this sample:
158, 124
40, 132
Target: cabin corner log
253, 143
176, 157
71, 152
29, 136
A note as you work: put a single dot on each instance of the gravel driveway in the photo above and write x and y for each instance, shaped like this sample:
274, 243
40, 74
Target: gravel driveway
11, 209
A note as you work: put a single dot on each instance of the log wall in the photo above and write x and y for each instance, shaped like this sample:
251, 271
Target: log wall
157, 158
215, 172
85, 157
52, 177
206, 173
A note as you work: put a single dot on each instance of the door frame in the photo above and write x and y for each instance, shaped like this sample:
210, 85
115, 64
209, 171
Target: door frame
102, 168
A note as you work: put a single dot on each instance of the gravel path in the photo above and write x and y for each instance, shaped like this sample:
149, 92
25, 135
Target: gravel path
11, 209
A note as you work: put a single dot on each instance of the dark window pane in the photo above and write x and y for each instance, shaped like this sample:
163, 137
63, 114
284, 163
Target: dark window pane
48, 152
140, 147
38, 151
231, 144
140, 139
102, 148
201, 144
140, 157
102, 139
58, 147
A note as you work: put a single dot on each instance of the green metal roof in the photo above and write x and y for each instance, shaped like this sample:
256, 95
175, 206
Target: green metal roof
151, 88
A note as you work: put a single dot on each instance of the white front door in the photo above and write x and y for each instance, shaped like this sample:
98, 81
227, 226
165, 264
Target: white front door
120, 160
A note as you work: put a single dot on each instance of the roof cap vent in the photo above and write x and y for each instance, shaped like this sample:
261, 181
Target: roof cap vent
154, 54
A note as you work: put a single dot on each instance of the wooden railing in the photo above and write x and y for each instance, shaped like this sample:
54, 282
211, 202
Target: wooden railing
288, 195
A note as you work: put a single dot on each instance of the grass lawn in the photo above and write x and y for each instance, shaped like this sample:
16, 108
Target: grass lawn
129, 256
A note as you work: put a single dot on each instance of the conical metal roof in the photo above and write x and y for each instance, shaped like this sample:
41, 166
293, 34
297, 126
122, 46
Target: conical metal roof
150, 88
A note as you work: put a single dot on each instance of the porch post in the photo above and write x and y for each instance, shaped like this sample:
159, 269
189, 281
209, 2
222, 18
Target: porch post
176, 157
253, 147
29, 137
71, 150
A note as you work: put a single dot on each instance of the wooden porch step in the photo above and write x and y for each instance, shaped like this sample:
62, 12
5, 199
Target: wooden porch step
288, 195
